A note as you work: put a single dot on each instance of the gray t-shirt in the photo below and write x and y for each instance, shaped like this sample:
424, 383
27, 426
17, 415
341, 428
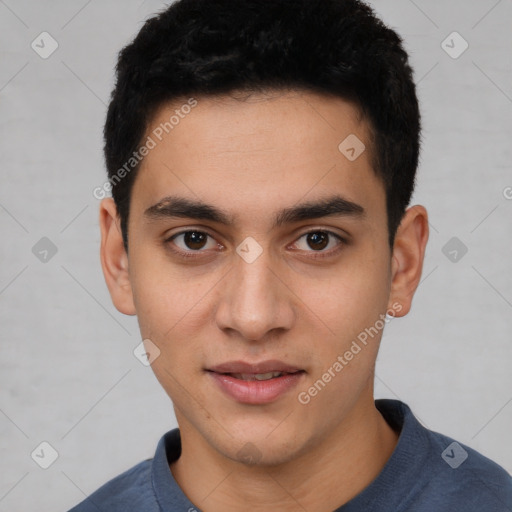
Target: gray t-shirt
427, 472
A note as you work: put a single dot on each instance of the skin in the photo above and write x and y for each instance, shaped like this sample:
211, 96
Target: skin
252, 158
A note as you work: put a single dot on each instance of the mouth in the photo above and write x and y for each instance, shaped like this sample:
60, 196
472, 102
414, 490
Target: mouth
259, 383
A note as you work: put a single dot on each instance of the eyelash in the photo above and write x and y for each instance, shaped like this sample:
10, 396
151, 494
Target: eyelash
314, 255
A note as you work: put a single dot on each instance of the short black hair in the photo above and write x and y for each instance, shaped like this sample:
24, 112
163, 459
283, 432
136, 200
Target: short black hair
218, 47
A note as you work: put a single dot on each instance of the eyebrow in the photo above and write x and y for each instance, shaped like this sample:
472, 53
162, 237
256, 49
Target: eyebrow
181, 207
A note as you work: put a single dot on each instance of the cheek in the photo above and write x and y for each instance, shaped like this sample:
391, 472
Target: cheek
351, 307
172, 315
344, 359
351, 299
171, 312
163, 293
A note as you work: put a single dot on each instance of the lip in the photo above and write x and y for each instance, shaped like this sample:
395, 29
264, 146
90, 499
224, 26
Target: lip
272, 365
255, 391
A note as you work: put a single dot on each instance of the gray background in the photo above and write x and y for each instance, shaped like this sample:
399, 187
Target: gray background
68, 373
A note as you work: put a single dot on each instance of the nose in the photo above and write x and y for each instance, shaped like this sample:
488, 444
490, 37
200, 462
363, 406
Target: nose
255, 300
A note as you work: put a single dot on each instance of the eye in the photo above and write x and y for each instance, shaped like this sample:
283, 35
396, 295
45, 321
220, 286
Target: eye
318, 241
193, 241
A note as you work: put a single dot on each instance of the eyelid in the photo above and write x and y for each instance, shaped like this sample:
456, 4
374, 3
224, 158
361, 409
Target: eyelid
189, 253
323, 229
341, 239
315, 254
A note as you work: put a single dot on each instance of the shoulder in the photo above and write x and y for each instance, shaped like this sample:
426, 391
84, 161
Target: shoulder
142, 487
131, 490
432, 471
465, 476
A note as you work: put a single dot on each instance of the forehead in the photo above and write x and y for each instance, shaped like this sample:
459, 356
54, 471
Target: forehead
257, 154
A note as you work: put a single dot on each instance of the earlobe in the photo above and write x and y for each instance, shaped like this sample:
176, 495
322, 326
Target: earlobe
408, 256
114, 260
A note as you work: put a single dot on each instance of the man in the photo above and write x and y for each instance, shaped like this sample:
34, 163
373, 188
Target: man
262, 156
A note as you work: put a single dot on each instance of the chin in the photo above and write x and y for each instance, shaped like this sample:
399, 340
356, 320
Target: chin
261, 451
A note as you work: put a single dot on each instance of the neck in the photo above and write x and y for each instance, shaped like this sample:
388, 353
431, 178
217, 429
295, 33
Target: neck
325, 477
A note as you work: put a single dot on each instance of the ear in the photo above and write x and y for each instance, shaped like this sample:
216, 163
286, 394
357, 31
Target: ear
407, 260
114, 259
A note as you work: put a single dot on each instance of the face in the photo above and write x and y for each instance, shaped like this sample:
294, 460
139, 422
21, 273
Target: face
273, 252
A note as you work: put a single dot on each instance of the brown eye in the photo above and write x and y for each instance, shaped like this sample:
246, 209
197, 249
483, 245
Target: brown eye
316, 241
195, 240
192, 241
